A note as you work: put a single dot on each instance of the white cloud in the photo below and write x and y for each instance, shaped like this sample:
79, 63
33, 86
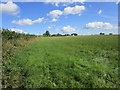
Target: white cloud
116, 27
17, 30
81, 1
27, 21
99, 25
55, 13
63, 2
59, 0
9, 8
55, 1
118, 2
53, 20
100, 12
68, 29
39, 20
73, 10
51, 26
56, 4
79, 14
23, 22
68, 10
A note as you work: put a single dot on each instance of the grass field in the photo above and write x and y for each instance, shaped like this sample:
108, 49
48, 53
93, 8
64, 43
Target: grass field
61, 62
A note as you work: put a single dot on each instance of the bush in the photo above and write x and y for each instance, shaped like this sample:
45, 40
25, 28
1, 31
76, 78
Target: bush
10, 42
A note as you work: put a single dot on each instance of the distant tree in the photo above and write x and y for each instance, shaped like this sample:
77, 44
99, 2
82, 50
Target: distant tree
102, 33
110, 33
47, 33
44, 34
67, 34
74, 34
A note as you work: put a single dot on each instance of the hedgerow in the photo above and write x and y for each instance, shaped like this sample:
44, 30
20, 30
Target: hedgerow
11, 41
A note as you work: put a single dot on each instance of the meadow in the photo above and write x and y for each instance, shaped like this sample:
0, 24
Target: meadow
66, 62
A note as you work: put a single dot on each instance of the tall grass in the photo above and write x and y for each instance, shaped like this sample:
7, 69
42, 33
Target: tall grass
62, 62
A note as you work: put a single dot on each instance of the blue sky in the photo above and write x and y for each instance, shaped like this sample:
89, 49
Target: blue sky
102, 15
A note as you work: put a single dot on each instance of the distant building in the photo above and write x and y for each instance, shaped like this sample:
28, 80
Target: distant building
73, 34
57, 34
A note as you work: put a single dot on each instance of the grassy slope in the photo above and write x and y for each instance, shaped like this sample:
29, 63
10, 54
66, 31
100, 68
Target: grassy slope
83, 61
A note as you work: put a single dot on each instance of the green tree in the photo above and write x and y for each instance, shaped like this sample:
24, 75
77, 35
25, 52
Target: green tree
47, 33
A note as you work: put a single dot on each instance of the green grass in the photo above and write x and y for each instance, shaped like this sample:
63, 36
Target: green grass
61, 62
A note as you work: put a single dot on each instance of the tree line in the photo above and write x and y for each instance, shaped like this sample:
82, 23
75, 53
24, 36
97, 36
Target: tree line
47, 34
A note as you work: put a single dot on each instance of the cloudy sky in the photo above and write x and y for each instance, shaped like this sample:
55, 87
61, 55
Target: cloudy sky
84, 18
